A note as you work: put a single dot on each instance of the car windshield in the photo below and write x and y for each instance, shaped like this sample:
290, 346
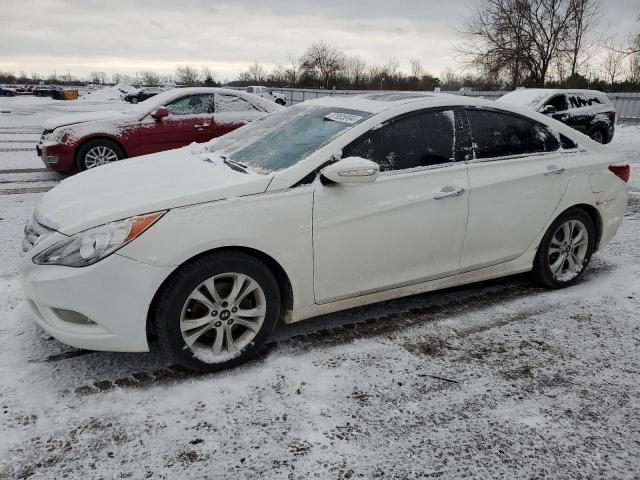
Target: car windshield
280, 140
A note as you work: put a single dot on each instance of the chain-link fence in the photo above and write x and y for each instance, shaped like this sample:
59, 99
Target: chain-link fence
627, 105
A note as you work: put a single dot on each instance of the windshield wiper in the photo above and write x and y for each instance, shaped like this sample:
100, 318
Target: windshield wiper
238, 167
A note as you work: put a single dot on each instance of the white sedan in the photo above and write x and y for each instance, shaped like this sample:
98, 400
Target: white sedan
328, 205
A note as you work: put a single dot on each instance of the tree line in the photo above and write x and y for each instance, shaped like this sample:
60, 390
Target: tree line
503, 44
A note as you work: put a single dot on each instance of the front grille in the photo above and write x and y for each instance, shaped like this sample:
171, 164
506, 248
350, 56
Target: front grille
33, 233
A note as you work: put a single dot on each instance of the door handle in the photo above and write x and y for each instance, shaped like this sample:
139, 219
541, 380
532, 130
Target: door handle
447, 192
553, 170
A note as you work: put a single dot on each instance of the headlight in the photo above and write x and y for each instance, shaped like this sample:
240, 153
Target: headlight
88, 247
56, 136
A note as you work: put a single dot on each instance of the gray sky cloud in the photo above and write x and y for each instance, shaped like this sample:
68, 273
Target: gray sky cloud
122, 36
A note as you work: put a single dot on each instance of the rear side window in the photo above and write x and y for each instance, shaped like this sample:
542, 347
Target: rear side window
415, 141
581, 100
231, 103
497, 134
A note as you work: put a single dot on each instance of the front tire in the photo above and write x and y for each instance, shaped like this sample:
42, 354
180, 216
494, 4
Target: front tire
217, 311
565, 250
98, 152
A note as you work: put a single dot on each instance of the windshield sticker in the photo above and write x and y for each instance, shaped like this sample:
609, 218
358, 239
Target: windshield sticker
343, 117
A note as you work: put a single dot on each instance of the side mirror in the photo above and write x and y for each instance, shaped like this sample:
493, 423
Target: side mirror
160, 113
548, 110
351, 170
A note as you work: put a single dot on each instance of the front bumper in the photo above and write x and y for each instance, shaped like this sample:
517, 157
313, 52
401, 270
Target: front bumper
57, 157
100, 307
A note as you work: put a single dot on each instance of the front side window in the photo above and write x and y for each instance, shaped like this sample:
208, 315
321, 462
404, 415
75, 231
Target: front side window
231, 103
497, 134
191, 105
418, 140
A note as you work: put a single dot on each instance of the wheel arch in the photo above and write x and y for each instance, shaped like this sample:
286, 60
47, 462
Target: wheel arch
593, 213
603, 127
281, 276
97, 136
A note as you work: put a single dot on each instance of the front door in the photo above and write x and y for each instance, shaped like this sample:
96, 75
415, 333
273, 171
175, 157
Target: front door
408, 226
190, 120
517, 178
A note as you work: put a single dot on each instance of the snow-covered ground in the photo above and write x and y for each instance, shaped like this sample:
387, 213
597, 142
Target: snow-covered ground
498, 380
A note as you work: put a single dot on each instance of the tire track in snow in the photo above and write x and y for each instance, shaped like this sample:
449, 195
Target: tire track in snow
425, 309
17, 191
17, 149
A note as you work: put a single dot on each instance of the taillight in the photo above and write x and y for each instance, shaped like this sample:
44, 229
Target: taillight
612, 116
623, 172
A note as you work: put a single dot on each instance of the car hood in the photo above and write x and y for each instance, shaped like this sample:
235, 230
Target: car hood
75, 118
142, 185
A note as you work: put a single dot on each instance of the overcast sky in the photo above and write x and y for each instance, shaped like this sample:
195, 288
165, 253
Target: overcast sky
128, 36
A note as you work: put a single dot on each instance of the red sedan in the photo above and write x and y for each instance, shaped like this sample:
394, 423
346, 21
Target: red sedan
172, 119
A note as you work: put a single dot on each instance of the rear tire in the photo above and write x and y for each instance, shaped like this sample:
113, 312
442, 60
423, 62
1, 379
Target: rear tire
598, 135
565, 250
217, 311
98, 152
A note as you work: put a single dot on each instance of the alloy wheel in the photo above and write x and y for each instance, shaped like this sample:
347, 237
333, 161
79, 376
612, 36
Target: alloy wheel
597, 136
568, 250
222, 315
99, 155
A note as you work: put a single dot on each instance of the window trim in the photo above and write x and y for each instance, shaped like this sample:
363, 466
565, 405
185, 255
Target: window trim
458, 127
518, 155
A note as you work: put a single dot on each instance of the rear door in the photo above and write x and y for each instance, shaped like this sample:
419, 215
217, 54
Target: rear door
406, 227
231, 112
517, 175
190, 120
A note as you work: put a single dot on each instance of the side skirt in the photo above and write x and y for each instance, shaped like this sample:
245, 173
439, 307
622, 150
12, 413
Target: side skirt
521, 264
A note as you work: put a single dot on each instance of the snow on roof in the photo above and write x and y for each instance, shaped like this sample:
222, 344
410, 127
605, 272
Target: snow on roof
377, 102
533, 97
169, 95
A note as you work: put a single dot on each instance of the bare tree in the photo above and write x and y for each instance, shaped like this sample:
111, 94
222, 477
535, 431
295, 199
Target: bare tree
613, 65
257, 73
149, 78
208, 76
518, 38
450, 80
416, 67
585, 15
355, 68
322, 61
634, 68
292, 72
187, 75
98, 77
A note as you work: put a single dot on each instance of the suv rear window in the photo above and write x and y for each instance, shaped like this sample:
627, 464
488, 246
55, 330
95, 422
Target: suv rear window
498, 134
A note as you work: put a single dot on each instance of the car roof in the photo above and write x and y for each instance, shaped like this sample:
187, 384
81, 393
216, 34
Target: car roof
379, 101
170, 95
